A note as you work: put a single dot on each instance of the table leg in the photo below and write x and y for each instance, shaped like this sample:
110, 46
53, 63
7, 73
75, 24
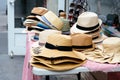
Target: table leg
47, 77
79, 76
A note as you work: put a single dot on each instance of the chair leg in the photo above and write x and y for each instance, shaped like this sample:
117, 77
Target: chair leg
79, 76
47, 77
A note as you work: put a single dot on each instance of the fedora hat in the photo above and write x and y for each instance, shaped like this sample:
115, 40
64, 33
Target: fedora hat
86, 22
54, 20
81, 42
107, 52
58, 48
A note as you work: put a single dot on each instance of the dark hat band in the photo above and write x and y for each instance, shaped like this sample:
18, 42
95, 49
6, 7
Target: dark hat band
61, 48
38, 29
87, 28
34, 14
82, 47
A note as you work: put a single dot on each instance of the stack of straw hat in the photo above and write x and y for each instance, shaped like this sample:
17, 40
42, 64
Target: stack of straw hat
41, 19
88, 23
57, 54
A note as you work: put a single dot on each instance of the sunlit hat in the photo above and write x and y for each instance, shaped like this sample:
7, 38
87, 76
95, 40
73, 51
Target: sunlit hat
54, 20
86, 22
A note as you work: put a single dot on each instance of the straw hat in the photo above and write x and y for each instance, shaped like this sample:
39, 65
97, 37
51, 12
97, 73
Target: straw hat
56, 67
107, 52
86, 22
58, 48
54, 20
58, 45
39, 11
43, 35
82, 42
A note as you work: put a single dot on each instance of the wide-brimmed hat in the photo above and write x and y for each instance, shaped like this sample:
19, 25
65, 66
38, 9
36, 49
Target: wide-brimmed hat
54, 20
81, 42
58, 48
107, 52
58, 45
86, 22
64, 66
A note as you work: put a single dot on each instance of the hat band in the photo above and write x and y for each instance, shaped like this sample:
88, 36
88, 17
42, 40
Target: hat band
34, 14
82, 47
61, 48
33, 19
38, 29
96, 30
87, 28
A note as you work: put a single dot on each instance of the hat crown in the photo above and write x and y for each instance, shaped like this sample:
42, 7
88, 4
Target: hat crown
88, 19
54, 20
111, 44
81, 39
60, 40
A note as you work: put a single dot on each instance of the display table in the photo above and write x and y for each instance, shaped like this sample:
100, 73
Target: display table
33, 73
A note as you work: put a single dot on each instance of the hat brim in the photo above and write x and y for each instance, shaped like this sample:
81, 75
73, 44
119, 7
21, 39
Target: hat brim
89, 49
99, 39
74, 29
57, 67
48, 53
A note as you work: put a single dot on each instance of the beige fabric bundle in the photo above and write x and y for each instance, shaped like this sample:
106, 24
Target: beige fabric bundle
107, 52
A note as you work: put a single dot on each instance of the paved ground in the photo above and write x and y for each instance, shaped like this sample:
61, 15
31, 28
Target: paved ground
10, 69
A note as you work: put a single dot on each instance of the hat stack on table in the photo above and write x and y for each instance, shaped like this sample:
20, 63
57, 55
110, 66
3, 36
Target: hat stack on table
60, 50
57, 54
41, 19
88, 23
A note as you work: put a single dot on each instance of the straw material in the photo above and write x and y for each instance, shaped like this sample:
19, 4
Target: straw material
39, 10
87, 20
107, 52
82, 42
57, 67
44, 35
57, 54
54, 20
88, 23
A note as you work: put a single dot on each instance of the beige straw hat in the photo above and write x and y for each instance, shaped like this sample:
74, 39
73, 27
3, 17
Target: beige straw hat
43, 35
58, 45
81, 42
107, 52
54, 20
39, 11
